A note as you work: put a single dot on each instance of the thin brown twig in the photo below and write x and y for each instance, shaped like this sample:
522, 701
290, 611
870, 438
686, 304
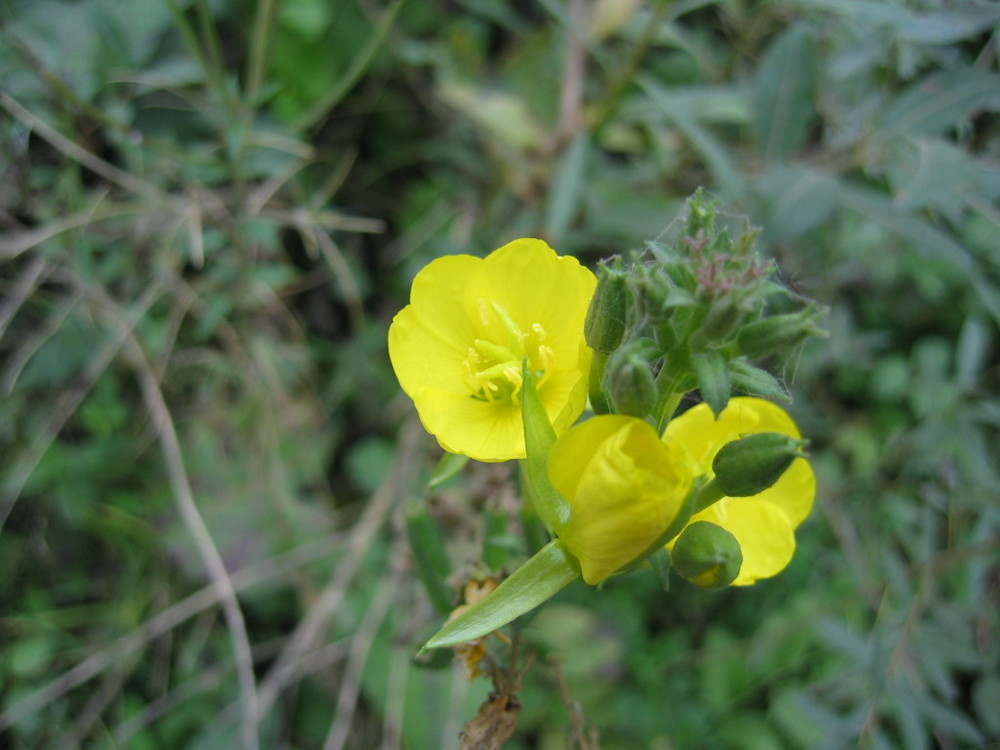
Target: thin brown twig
166, 432
74, 151
26, 283
162, 624
184, 496
583, 738
361, 643
29, 347
67, 404
310, 630
574, 72
111, 688
209, 680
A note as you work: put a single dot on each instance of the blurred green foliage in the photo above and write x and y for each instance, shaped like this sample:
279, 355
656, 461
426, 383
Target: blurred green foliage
209, 212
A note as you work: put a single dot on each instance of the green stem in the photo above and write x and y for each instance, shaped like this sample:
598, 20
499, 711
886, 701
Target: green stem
260, 44
358, 66
532, 528
708, 495
599, 400
429, 552
609, 104
215, 62
666, 405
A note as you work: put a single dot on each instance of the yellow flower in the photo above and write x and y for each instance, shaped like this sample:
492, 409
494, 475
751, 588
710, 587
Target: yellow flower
763, 524
457, 348
624, 490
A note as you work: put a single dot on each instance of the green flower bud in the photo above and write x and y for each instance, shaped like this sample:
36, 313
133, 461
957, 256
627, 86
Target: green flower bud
605, 323
630, 382
753, 463
779, 333
724, 316
707, 555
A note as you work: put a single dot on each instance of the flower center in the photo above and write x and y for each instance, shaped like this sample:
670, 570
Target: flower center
492, 369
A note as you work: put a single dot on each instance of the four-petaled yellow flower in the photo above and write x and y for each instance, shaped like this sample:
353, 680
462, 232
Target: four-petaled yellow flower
763, 524
624, 490
458, 347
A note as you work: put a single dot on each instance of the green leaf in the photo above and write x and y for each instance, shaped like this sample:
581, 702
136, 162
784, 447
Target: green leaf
929, 173
497, 542
713, 378
449, 465
715, 155
797, 198
938, 102
863, 12
428, 547
754, 381
950, 25
358, 65
783, 92
567, 187
538, 440
946, 26
540, 578
972, 351
926, 238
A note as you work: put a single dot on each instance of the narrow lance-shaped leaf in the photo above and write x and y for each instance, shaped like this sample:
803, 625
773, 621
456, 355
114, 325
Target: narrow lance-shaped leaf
747, 378
538, 440
783, 92
433, 565
449, 465
540, 578
567, 187
713, 378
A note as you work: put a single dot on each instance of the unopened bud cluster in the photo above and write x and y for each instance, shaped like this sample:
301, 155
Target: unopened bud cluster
691, 312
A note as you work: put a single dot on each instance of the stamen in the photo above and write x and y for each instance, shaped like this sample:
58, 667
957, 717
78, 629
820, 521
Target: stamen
514, 377
513, 331
492, 370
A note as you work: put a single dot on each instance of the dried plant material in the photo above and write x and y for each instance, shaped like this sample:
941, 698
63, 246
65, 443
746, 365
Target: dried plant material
493, 725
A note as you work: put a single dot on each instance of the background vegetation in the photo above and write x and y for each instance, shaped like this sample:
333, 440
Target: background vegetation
210, 210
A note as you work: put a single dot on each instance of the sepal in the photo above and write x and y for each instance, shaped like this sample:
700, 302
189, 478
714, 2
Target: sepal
539, 438
537, 580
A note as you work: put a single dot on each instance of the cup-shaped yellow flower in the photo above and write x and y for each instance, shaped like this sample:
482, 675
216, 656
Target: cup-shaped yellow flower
764, 523
458, 347
624, 490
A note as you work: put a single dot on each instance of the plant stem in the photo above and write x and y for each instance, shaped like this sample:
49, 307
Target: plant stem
666, 405
609, 104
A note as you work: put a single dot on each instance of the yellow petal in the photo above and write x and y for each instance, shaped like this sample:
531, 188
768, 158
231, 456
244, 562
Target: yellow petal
763, 530
485, 431
699, 436
702, 434
564, 391
533, 285
794, 493
577, 447
438, 296
422, 356
622, 488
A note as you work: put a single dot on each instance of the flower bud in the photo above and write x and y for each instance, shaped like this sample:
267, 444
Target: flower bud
605, 323
750, 465
779, 333
625, 491
707, 555
724, 316
630, 383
